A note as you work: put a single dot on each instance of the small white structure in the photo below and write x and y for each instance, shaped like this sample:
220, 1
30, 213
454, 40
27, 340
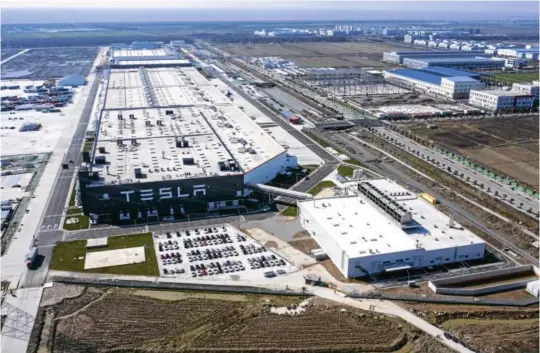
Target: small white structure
386, 228
74, 80
500, 100
533, 287
118, 257
97, 243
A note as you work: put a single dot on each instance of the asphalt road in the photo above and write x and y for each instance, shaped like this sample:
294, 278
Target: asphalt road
62, 187
493, 188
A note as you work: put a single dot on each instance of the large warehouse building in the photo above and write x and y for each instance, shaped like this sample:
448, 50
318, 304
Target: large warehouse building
158, 57
397, 57
386, 228
461, 62
171, 144
441, 81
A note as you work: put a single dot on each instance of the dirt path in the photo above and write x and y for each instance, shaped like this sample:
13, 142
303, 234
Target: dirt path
81, 309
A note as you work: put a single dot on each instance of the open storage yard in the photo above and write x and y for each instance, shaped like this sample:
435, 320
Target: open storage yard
215, 252
345, 54
77, 319
42, 64
508, 145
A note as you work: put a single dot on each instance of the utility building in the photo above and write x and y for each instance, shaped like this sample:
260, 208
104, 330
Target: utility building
386, 228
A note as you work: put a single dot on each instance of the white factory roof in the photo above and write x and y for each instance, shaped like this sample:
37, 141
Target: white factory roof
501, 93
170, 62
138, 52
169, 104
362, 229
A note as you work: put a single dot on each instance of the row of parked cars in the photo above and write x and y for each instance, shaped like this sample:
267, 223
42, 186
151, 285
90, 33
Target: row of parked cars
216, 268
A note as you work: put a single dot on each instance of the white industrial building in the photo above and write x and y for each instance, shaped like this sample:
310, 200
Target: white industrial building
386, 228
527, 88
496, 100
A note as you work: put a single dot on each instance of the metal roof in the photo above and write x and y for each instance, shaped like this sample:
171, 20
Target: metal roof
446, 71
419, 75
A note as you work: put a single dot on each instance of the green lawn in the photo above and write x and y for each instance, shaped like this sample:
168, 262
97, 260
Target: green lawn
73, 211
69, 256
322, 185
345, 170
517, 77
290, 211
84, 223
73, 195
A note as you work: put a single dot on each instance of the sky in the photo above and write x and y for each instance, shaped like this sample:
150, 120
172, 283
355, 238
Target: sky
70, 11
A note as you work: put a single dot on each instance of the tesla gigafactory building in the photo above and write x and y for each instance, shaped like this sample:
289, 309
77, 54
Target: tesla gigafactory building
170, 144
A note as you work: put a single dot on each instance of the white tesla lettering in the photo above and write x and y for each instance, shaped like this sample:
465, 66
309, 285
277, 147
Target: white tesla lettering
147, 195
179, 192
165, 193
199, 190
127, 194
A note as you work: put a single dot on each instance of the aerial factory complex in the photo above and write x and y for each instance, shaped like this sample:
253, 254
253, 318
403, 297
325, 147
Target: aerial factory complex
169, 143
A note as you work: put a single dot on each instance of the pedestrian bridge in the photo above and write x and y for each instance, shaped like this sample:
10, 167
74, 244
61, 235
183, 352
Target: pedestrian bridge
275, 191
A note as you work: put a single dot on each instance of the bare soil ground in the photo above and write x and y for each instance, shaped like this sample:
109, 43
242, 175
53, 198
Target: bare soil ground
371, 102
345, 54
125, 320
509, 145
485, 328
306, 245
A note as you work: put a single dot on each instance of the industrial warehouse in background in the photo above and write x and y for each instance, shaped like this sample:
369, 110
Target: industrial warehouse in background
384, 228
170, 144
440, 81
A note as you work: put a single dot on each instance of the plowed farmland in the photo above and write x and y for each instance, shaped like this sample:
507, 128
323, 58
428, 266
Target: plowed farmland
509, 145
123, 320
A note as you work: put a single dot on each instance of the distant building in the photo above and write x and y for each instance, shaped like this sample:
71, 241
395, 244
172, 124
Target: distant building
30, 127
74, 80
461, 62
526, 88
398, 56
444, 82
500, 100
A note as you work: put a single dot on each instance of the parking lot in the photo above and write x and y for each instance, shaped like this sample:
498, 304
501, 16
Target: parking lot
219, 251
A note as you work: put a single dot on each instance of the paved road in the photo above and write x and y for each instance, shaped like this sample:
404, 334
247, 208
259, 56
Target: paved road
62, 187
497, 190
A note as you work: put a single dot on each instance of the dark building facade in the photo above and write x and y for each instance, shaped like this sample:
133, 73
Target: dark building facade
159, 200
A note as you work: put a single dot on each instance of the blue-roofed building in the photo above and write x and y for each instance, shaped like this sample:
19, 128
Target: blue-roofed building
454, 62
447, 71
440, 81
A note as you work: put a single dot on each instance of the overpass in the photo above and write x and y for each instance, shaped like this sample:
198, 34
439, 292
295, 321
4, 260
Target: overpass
275, 191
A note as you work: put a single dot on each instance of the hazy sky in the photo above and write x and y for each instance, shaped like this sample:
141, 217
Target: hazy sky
51, 11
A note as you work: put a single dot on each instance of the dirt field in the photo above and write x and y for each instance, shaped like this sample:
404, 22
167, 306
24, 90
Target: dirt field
486, 328
371, 101
125, 320
320, 54
508, 145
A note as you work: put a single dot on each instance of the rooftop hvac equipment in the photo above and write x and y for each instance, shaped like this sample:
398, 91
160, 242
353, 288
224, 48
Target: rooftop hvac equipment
251, 150
188, 160
169, 112
120, 117
133, 142
100, 160
241, 150
132, 116
148, 123
101, 149
182, 142
119, 143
